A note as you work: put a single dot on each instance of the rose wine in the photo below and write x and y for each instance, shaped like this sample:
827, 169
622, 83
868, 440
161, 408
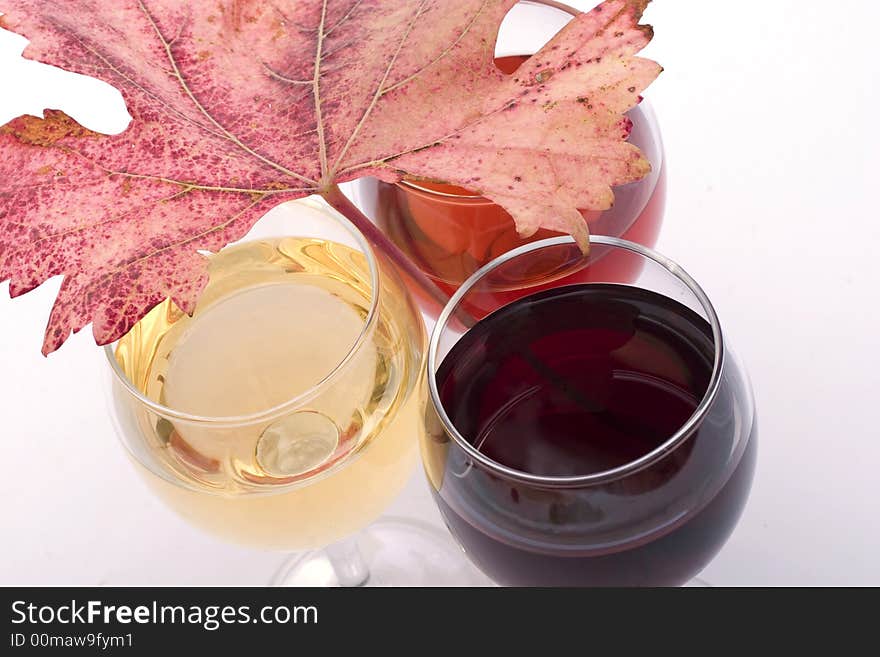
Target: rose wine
450, 232
280, 323
579, 380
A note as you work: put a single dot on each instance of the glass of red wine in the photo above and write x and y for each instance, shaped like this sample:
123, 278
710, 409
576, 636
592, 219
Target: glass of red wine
449, 232
587, 428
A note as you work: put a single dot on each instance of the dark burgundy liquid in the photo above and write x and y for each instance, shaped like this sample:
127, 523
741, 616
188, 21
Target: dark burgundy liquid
578, 380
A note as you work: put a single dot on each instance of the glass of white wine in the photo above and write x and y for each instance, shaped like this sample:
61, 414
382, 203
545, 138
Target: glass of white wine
285, 413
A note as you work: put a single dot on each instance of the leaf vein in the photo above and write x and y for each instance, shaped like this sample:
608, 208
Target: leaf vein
378, 94
444, 53
201, 108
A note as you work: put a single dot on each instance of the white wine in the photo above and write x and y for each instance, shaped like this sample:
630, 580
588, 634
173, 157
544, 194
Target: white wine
294, 411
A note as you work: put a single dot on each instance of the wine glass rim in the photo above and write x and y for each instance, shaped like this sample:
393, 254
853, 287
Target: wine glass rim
300, 398
603, 476
414, 185
553, 4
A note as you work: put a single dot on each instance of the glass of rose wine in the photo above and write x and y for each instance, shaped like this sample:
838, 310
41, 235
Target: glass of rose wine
449, 232
587, 428
284, 413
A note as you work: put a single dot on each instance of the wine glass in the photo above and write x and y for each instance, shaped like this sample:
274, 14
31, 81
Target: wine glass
284, 413
587, 429
450, 232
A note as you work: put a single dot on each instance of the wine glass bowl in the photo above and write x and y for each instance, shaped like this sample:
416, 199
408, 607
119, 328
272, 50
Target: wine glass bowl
284, 413
591, 430
450, 232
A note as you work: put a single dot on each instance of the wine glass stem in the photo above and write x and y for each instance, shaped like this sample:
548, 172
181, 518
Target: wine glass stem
348, 562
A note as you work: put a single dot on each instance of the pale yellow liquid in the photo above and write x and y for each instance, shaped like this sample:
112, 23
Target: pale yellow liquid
275, 329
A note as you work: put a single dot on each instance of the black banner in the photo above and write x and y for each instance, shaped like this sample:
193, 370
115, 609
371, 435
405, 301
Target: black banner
268, 621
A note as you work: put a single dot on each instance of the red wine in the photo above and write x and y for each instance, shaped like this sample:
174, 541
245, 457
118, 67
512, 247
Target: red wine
582, 379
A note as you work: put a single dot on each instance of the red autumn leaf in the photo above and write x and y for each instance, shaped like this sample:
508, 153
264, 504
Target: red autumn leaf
238, 105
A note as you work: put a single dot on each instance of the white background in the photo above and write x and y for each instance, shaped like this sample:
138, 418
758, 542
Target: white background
768, 110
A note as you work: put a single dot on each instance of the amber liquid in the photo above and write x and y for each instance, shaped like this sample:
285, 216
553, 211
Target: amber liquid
450, 233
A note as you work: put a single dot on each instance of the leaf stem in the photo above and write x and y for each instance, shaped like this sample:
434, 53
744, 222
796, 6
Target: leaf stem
380, 241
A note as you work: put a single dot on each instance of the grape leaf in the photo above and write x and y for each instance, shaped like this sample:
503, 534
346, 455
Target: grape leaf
238, 105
